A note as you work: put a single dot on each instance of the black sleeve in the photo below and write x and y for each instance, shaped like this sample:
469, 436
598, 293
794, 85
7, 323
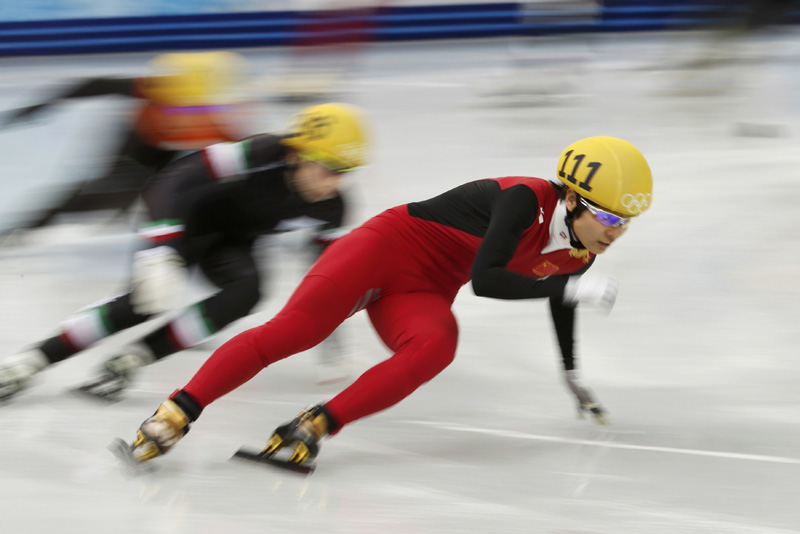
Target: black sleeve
564, 322
333, 212
85, 88
514, 210
177, 189
100, 87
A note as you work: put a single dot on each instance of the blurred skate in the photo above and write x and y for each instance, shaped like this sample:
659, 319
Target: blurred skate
17, 372
116, 374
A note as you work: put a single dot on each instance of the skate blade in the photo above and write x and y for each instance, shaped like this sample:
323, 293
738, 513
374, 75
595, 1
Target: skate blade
84, 393
120, 448
257, 457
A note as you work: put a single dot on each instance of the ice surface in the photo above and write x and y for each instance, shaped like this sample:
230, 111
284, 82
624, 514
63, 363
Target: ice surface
697, 364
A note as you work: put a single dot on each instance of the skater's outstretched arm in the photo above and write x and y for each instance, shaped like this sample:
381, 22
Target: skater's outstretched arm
564, 323
86, 88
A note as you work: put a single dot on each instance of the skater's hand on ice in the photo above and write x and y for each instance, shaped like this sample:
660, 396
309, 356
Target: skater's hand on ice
596, 290
587, 402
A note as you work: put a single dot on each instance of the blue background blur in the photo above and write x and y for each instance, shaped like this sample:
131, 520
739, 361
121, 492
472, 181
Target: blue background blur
47, 27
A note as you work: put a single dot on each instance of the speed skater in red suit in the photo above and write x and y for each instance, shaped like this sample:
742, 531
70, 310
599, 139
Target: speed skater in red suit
513, 237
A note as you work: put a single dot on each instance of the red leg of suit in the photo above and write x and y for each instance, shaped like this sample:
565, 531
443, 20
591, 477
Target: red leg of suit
298, 327
327, 295
421, 330
412, 318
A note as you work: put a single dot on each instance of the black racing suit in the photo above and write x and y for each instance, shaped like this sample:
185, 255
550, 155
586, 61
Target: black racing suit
132, 162
210, 207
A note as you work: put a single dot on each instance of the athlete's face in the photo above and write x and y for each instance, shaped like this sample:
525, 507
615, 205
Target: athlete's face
595, 236
315, 182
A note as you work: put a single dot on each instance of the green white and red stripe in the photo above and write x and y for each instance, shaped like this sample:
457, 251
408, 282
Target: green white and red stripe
226, 159
87, 328
162, 230
190, 328
329, 236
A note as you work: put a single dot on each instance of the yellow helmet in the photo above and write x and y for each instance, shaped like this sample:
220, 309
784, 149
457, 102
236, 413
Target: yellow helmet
193, 78
334, 135
608, 172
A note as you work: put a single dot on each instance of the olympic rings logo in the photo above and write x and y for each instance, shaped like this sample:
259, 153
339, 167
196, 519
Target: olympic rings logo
635, 204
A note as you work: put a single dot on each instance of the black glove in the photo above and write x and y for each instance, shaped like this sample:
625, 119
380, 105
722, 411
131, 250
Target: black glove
587, 402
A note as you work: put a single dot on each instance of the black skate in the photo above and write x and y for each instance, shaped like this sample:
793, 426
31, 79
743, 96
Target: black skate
17, 372
13, 379
107, 387
302, 434
116, 375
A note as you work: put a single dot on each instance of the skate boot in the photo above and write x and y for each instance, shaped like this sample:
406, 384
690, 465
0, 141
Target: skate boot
17, 372
117, 373
303, 434
160, 433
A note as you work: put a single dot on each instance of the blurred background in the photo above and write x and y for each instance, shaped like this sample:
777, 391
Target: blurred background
697, 363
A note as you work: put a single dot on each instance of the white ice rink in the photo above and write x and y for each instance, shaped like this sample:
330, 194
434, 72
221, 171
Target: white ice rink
697, 363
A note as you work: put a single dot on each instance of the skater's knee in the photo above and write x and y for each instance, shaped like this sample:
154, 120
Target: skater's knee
249, 292
441, 353
239, 297
289, 332
428, 358
230, 266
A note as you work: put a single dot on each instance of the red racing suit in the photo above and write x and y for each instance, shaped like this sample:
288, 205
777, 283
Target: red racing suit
405, 267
